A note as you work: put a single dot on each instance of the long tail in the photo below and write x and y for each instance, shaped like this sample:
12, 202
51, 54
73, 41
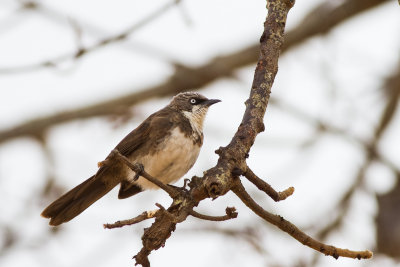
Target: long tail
77, 200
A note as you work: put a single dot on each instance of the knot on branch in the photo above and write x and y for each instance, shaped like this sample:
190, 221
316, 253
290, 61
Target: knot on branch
287, 4
217, 181
214, 190
231, 212
290, 3
219, 150
236, 172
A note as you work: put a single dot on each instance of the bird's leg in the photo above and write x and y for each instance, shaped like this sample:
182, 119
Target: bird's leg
139, 169
174, 186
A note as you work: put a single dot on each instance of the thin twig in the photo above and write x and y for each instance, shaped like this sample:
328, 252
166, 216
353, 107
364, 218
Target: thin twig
267, 188
144, 216
295, 232
89, 49
230, 214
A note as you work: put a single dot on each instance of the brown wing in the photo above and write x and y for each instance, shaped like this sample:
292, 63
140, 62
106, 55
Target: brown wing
149, 133
146, 137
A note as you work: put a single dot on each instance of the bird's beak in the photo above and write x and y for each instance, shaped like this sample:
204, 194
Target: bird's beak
211, 102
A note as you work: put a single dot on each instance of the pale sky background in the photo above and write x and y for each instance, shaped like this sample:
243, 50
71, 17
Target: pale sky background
334, 78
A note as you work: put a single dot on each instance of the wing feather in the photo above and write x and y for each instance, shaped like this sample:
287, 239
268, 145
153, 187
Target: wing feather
148, 134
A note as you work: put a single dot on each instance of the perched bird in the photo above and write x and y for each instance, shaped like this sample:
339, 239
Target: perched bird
167, 144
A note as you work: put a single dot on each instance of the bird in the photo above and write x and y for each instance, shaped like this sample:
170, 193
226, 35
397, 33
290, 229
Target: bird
166, 144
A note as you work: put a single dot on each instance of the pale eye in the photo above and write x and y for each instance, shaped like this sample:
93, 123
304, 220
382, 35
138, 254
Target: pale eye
193, 101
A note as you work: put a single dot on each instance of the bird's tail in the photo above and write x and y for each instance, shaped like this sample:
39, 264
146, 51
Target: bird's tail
76, 200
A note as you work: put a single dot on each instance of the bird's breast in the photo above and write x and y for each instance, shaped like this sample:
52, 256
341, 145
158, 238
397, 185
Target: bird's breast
170, 160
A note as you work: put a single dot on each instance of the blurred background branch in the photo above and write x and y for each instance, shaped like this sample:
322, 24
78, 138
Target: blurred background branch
320, 20
345, 146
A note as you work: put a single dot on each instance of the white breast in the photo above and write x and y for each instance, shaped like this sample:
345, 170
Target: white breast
176, 155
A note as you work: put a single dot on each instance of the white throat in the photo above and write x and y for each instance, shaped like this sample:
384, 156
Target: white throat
196, 118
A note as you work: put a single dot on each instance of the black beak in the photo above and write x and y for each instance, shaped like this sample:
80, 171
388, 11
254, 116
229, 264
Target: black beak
210, 102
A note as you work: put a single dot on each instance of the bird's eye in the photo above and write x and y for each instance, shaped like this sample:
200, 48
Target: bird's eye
193, 101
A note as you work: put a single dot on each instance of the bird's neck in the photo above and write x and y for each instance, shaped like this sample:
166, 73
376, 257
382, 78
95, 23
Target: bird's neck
196, 120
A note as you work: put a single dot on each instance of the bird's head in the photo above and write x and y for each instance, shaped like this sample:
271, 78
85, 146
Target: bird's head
194, 106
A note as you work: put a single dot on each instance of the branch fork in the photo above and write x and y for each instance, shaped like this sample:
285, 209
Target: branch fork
224, 177
268, 189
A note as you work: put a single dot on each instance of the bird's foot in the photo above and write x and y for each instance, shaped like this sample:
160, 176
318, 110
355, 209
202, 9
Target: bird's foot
186, 181
139, 169
179, 188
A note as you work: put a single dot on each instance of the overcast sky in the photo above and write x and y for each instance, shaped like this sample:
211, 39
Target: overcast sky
335, 78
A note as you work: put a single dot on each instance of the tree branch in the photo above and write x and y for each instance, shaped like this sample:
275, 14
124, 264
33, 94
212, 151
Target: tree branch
224, 177
264, 186
230, 214
144, 216
219, 179
295, 232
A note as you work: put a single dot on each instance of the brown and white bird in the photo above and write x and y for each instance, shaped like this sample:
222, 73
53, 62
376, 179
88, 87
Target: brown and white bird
167, 144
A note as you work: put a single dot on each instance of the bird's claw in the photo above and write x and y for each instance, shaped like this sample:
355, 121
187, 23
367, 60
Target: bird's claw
185, 183
139, 169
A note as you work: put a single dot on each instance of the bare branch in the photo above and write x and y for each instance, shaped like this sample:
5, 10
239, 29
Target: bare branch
222, 178
144, 216
295, 232
230, 214
264, 186
219, 180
